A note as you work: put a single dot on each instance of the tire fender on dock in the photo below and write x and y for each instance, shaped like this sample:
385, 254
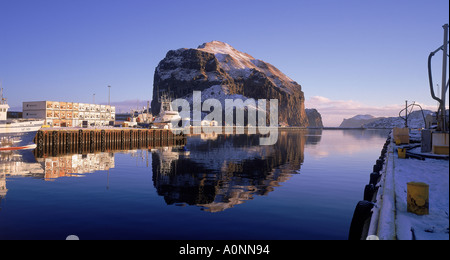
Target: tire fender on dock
374, 178
369, 191
360, 221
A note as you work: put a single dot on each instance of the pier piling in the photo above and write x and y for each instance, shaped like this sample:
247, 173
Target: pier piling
64, 141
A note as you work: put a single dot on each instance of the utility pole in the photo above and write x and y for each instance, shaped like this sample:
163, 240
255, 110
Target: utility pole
441, 115
109, 95
406, 112
444, 79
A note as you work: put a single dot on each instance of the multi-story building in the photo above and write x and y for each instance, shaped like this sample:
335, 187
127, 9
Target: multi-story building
68, 114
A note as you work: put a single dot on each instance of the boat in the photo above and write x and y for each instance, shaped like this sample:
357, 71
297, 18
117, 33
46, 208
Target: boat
16, 134
166, 115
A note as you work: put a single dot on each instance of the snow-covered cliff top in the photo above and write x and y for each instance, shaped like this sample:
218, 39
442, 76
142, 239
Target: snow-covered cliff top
238, 63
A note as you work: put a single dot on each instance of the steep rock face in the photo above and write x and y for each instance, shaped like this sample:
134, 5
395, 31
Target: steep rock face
314, 118
216, 64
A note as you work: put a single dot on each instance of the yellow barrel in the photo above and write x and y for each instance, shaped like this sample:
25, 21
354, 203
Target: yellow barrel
401, 153
417, 198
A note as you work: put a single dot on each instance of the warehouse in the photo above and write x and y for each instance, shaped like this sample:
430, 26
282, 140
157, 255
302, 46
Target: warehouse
68, 114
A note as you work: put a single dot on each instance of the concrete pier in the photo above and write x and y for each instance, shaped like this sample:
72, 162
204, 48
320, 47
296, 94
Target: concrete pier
385, 214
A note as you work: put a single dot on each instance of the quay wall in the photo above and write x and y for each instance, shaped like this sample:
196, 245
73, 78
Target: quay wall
63, 141
362, 222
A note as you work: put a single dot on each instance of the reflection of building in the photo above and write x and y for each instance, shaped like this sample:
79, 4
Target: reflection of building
3, 189
68, 114
211, 136
16, 163
72, 165
227, 171
25, 164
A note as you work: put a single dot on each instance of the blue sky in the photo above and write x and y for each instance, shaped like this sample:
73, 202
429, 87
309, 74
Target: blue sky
361, 56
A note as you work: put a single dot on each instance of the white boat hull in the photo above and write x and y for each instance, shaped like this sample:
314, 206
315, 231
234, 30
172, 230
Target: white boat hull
166, 121
8, 127
16, 135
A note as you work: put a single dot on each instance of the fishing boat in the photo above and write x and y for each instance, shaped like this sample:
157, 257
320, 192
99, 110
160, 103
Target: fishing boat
166, 115
16, 134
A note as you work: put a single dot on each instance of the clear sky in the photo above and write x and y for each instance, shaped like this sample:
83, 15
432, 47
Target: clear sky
350, 57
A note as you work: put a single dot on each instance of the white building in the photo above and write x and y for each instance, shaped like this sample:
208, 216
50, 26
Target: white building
68, 114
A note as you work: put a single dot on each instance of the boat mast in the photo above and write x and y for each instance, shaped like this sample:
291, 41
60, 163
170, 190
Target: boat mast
3, 100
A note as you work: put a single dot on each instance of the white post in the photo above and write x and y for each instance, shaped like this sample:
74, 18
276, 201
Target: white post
444, 77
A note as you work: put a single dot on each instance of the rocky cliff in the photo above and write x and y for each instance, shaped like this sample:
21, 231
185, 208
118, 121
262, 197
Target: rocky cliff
221, 71
314, 118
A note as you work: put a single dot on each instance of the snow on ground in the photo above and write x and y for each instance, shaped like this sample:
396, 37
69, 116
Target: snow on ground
435, 173
394, 221
220, 93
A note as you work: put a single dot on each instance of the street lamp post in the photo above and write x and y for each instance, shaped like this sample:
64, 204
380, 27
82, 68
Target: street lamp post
109, 95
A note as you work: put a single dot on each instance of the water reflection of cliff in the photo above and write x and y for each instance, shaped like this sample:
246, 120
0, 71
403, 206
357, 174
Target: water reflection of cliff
218, 174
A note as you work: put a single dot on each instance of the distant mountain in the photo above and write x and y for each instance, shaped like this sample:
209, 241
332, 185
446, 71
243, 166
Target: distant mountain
415, 120
220, 71
358, 121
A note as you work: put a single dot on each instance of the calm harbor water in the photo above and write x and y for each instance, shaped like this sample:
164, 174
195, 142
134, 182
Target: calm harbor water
216, 187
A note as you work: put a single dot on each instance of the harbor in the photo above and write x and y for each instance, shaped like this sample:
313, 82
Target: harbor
203, 123
209, 187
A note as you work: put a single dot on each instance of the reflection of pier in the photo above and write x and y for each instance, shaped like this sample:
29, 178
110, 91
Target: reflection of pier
82, 141
37, 164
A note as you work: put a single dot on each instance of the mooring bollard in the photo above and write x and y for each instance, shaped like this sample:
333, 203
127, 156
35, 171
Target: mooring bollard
417, 198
